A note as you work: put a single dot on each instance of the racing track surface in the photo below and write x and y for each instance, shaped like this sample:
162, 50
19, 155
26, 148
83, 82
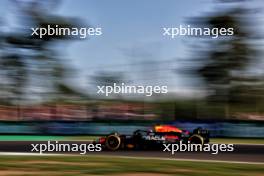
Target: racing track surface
241, 153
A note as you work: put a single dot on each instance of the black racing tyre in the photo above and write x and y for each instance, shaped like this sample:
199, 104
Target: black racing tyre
196, 139
113, 142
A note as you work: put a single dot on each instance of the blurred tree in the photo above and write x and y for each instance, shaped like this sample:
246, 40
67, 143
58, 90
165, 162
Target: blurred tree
108, 79
223, 60
27, 59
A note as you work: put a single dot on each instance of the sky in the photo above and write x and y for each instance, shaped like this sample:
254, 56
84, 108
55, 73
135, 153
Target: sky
132, 40
132, 34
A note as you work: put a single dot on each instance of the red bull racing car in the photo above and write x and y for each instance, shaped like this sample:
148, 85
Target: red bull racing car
154, 138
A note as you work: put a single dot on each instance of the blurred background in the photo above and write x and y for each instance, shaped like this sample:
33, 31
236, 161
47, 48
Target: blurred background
49, 85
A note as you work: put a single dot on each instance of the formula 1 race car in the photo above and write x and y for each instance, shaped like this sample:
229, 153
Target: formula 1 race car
154, 138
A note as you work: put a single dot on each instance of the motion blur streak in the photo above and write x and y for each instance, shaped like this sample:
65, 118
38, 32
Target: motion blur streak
49, 84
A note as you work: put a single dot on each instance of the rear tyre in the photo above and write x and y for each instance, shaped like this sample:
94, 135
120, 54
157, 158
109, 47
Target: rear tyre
113, 142
196, 139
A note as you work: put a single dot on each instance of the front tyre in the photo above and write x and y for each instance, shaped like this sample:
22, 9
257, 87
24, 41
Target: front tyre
113, 142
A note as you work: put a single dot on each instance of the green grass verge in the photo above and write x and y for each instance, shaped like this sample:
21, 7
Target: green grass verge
100, 165
43, 138
236, 141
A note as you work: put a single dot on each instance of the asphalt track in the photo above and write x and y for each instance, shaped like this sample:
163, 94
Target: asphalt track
241, 153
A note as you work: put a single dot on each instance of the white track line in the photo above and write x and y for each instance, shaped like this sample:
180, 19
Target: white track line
193, 160
30, 154
132, 157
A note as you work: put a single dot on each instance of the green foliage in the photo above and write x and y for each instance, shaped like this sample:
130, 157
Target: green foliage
27, 62
224, 62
